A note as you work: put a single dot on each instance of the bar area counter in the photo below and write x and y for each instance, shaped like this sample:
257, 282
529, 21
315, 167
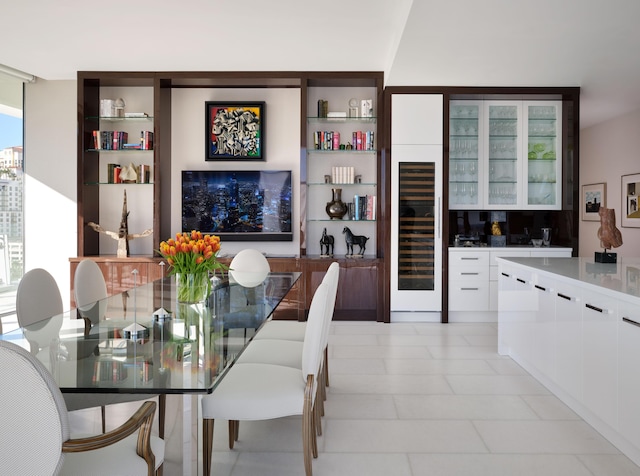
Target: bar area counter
574, 324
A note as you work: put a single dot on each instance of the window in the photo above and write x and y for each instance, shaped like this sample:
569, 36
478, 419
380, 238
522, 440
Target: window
11, 188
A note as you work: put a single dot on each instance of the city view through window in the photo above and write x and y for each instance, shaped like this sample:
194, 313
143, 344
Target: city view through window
11, 207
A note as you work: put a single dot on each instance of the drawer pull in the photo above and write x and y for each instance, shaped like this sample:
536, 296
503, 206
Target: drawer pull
469, 289
469, 274
631, 321
520, 280
470, 258
541, 288
505, 274
564, 296
594, 308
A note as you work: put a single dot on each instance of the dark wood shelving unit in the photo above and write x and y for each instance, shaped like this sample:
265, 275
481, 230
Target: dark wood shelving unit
361, 302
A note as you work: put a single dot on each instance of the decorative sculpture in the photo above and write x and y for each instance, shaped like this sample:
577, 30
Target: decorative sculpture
352, 239
326, 244
122, 235
610, 236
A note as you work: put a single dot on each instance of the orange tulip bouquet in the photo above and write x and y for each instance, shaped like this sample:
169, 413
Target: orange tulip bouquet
192, 258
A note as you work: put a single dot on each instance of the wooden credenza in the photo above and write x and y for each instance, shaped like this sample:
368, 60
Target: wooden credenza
357, 298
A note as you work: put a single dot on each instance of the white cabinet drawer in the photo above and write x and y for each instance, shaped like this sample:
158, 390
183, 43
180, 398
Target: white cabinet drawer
468, 273
468, 258
468, 296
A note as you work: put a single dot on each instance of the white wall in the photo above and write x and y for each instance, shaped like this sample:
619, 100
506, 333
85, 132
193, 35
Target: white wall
607, 152
50, 210
282, 130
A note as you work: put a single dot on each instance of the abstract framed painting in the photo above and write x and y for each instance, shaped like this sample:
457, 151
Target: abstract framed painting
235, 130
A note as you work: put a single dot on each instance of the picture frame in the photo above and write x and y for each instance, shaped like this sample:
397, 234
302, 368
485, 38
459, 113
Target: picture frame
630, 188
594, 196
235, 131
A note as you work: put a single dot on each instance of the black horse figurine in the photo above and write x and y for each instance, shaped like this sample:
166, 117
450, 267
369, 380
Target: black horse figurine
352, 239
326, 244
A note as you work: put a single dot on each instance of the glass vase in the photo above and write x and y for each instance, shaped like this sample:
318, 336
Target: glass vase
192, 287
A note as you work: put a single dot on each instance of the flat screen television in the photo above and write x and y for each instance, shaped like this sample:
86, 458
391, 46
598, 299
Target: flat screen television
239, 205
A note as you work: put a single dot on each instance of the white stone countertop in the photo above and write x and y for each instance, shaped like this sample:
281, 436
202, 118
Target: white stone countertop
621, 279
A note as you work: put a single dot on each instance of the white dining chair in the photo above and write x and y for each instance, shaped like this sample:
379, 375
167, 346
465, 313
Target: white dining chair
255, 391
284, 330
35, 437
90, 293
288, 352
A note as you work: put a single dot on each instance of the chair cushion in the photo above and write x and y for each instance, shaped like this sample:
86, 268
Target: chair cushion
283, 330
120, 458
256, 392
271, 351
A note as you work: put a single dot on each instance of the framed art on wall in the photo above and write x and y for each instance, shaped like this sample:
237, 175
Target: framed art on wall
594, 196
234, 130
630, 188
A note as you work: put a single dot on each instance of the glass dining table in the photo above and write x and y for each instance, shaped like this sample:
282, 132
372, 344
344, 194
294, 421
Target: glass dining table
143, 341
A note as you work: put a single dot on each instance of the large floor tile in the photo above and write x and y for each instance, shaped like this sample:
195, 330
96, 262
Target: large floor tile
438, 367
360, 406
394, 436
497, 465
390, 384
543, 437
463, 407
379, 352
496, 385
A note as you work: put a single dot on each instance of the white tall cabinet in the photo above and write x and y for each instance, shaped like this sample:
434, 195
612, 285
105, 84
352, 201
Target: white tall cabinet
416, 207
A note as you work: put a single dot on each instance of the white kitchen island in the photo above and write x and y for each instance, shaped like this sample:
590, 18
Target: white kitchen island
575, 325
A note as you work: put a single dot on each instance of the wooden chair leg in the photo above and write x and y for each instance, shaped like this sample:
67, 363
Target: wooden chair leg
103, 412
326, 366
207, 444
162, 408
236, 429
233, 430
308, 432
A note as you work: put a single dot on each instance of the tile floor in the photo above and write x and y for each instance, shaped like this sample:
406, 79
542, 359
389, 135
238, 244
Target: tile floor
411, 399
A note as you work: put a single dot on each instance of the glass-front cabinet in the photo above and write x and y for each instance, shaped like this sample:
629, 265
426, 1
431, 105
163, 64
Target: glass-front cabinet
543, 128
505, 155
465, 171
502, 149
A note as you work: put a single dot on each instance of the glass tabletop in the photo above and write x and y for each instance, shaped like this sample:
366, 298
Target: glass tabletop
144, 341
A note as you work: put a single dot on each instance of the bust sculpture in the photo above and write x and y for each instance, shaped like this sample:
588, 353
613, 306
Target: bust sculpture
610, 236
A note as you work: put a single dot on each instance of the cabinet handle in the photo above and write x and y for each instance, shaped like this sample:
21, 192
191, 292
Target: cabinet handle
469, 289
506, 275
631, 321
564, 296
469, 274
469, 259
541, 288
520, 280
598, 309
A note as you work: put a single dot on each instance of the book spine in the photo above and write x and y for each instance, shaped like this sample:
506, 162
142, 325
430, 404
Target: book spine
356, 206
336, 140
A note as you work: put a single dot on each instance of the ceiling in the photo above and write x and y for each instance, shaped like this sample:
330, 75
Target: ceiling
592, 44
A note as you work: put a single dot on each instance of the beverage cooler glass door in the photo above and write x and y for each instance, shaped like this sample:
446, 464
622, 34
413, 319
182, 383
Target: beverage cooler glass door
416, 233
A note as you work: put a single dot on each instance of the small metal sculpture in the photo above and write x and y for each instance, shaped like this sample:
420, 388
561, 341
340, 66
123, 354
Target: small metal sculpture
352, 239
326, 244
122, 235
